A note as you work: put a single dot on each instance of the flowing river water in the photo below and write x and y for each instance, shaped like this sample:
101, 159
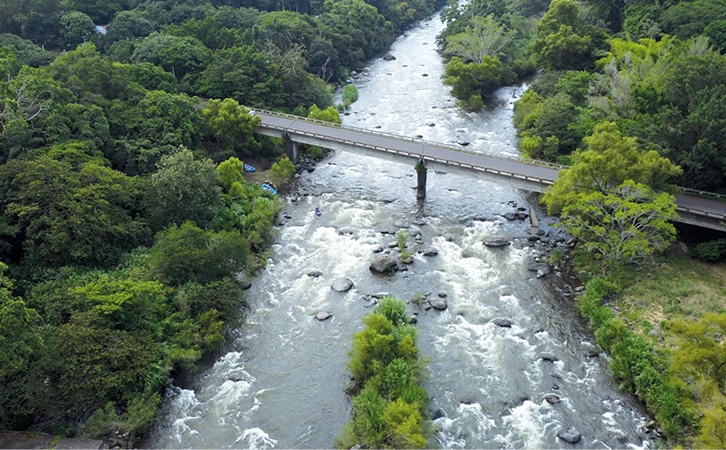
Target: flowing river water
280, 382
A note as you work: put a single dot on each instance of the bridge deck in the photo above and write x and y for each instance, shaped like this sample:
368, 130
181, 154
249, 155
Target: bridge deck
695, 210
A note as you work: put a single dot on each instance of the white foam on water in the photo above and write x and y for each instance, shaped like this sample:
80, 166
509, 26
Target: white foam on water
228, 395
182, 403
255, 438
527, 425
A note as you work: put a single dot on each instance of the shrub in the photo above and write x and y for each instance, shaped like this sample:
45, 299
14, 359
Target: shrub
389, 408
712, 250
350, 94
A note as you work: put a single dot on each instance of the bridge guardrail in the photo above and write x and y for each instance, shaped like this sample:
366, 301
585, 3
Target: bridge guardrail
703, 193
411, 140
424, 142
429, 158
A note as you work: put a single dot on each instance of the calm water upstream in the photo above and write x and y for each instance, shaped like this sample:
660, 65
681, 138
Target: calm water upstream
280, 382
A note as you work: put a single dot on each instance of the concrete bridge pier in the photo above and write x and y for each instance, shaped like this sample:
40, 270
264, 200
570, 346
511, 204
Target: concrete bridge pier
421, 182
291, 148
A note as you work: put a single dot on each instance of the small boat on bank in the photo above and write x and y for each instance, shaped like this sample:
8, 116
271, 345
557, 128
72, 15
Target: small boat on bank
249, 168
269, 188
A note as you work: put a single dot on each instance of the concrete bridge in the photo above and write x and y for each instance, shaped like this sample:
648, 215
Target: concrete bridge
695, 208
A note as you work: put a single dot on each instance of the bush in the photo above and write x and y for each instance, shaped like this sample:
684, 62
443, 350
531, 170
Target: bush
350, 94
281, 172
389, 408
712, 250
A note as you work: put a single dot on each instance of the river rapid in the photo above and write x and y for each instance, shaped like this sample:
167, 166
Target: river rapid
280, 382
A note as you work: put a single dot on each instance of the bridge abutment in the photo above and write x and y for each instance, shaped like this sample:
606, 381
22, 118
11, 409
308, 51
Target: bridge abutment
421, 175
291, 148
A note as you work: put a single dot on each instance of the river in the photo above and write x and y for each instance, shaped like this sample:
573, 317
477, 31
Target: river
280, 382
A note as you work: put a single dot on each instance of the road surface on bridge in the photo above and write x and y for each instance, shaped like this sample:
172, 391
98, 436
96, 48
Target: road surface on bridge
448, 155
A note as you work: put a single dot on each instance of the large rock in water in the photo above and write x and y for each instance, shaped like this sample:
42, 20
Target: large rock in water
540, 268
438, 304
496, 243
504, 323
389, 57
342, 284
384, 264
323, 315
571, 436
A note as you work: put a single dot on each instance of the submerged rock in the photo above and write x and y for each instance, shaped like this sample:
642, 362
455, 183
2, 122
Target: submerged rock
552, 399
496, 243
504, 323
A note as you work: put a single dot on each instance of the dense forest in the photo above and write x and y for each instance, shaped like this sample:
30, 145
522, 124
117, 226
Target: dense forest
630, 96
127, 230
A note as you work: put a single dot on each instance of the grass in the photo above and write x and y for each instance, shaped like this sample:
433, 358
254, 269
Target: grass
676, 287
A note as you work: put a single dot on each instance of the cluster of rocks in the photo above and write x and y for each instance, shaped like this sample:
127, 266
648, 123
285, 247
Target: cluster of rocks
305, 164
390, 259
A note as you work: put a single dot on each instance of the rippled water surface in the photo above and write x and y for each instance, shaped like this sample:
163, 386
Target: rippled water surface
280, 382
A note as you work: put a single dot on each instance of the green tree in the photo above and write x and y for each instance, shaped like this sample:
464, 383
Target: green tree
128, 25
73, 215
181, 56
622, 225
232, 126
188, 253
244, 74
470, 81
76, 28
21, 344
183, 189
561, 43
230, 172
328, 114
282, 171
610, 160
484, 38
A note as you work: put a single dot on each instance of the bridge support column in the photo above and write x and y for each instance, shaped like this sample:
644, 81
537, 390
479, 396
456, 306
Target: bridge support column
421, 184
291, 148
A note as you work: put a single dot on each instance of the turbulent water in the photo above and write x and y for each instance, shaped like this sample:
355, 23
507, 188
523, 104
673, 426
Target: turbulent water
280, 382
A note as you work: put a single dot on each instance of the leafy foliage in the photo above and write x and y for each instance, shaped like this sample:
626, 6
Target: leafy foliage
388, 410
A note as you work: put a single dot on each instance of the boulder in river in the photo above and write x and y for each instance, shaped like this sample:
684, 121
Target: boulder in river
315, 273
543, 268
552, 399
509, 216
323, 315
462, 142
345, 231
430, 252
342, 284
504, 323
380, 295
389, 57
414, 231
384, 264
438, 304
496, 242
571, 436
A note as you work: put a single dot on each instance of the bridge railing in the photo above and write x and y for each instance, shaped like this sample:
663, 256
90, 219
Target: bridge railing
413, 140
423, 142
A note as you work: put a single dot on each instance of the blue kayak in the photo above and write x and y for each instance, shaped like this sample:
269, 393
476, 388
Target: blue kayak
269, 188
249, 168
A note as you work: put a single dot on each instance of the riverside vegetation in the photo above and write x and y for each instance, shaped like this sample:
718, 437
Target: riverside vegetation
389, 404
127, 227
630, 95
